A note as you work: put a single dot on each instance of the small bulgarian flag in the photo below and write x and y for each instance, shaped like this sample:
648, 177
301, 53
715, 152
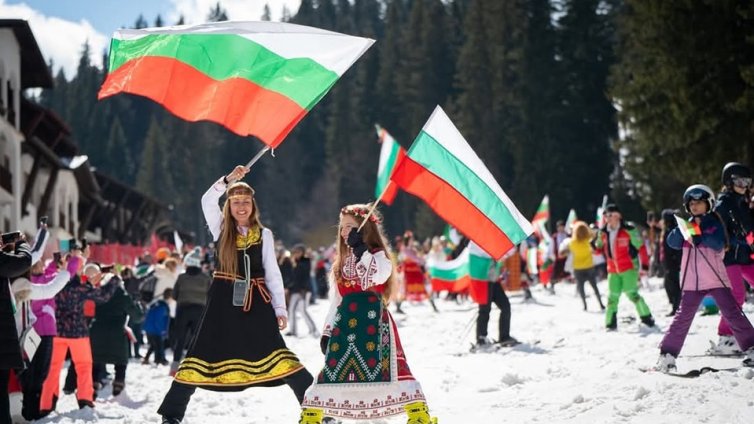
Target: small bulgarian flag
391, 153
254, 78
542, 215
442, 169
688, 229
571, 220
452, 276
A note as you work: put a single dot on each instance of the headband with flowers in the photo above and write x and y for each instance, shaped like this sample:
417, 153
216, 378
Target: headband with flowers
360, 212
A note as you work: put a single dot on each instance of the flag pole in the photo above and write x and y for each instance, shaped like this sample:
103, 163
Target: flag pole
257, 156
374, 206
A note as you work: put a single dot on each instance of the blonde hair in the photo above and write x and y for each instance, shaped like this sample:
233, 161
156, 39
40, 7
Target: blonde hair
228, 260
374, 236
581, 231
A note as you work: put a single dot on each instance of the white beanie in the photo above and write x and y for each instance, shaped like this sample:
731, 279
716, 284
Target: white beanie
193, 258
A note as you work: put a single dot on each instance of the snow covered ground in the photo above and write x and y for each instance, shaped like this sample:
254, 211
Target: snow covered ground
568, 370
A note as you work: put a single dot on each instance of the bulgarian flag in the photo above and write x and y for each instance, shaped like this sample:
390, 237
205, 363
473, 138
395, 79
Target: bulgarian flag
391, 154
688, 229
471, 266
442, 169
570, 220
254, 78
542, 215
452, 276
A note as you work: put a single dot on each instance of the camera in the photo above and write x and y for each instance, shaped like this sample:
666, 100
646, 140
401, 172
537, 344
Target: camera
9, 238
43, 220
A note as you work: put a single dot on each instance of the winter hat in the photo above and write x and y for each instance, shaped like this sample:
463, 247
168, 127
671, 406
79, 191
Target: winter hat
193, 258
612, 207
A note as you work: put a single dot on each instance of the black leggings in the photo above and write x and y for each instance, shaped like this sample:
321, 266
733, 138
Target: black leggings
582, 276
498, 296
177, 399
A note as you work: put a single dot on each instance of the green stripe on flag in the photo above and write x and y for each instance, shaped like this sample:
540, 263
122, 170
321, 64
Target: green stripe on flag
430, 154
452, 274
224, 56
479, 267
384, 173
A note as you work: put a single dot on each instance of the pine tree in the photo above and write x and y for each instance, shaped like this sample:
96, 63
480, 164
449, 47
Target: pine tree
217, 14
140, 22
158, 21
117, 149
266, 15
154, 177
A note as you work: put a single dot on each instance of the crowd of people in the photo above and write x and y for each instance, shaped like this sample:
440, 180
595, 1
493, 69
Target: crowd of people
252, 287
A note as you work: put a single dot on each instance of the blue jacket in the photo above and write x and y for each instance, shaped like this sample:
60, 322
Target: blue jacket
158, 318
734, 210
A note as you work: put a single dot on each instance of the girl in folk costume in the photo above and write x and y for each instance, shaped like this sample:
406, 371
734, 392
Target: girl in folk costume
238, 343
366, 375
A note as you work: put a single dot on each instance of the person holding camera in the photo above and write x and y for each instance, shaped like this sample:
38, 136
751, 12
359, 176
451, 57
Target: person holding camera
73, 335
15, 259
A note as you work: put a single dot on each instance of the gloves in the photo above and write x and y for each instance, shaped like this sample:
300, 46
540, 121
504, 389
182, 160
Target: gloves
356, 242
323, 342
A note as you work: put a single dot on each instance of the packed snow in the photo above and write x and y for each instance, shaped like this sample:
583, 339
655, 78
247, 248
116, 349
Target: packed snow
568, 370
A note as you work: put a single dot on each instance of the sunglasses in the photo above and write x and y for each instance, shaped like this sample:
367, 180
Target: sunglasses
742, 182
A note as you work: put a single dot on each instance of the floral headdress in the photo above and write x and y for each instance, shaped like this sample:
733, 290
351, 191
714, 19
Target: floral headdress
360, 212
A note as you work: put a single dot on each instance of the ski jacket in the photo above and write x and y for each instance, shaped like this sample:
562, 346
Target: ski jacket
734, 210
621, 254
702, 266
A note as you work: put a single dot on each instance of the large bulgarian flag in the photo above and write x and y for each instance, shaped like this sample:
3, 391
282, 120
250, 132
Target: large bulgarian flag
254, 78
391, 154
442, 169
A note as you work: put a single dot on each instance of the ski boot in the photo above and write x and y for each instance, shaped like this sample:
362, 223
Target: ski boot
310, 416
726, 346
665, 363
418, 413
749, 360
648, 321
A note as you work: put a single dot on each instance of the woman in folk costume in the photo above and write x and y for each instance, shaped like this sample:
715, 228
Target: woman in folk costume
366, 375
238, 343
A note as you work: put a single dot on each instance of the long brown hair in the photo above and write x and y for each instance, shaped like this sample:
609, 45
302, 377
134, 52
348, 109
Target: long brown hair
374, 236
229, 232
581, 231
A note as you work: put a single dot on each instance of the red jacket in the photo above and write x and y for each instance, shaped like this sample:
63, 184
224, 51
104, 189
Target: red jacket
627, 244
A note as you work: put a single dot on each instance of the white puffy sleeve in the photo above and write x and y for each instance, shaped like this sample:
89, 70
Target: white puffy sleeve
212, 213
335, 299
272, 277
49, 290
373, 269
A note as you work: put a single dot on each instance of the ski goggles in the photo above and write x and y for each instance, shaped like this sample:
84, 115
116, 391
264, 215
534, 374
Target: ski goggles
742, 182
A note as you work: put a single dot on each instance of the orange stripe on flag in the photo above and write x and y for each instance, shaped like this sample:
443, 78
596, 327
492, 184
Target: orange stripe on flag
238, 104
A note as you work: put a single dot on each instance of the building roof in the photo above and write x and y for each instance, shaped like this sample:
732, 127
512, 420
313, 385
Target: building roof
34, 70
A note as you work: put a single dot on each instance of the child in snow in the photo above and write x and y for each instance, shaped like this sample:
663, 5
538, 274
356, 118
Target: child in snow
156, 327
703, 273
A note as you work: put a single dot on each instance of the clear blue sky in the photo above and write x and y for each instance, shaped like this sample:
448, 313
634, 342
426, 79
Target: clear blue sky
104, 15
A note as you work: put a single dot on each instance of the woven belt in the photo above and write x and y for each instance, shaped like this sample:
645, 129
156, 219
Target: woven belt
258, 282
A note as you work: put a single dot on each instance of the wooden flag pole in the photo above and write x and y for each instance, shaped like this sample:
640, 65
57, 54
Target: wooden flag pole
374, 206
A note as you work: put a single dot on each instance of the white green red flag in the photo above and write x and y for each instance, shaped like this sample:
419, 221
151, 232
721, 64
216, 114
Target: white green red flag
542, 215
391, 153
688, 229
254, 78
571, 220
471, 266
442, 169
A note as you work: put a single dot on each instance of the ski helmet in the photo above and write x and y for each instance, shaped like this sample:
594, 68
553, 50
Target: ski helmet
736, 169
698, 192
